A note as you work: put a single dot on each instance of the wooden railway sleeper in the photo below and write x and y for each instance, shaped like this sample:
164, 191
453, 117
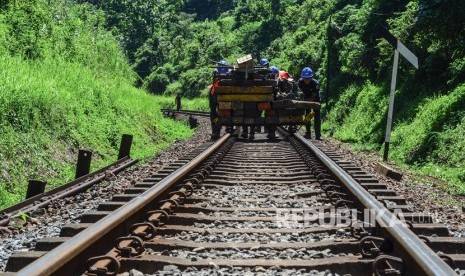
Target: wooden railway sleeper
134, 244
114, 264
153, 218
371, 247
447, 259
385, 265
127, 246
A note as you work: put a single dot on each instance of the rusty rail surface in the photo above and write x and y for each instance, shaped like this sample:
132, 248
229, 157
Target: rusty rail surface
426, 259
74, 187
64, 254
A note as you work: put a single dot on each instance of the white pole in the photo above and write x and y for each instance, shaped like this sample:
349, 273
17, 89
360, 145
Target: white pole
391, 105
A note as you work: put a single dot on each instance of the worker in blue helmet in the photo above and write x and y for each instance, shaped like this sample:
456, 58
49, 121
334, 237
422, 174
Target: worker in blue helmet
223, 67
274, 72
311, 90
264, 63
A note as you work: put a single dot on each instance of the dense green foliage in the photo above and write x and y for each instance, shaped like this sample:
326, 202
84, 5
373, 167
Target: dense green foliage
65, 84
340, 39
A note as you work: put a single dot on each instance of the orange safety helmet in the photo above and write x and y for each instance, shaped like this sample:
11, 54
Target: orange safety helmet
284, 75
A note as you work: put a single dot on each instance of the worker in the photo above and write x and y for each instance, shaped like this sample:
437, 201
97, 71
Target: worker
284, 84
266, 65
274, 72
221, 70
311, 90
177, 101
273, 75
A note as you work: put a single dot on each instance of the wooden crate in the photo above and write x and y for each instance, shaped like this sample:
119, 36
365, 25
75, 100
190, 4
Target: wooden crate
286, 103
221, 90
238, 113
242, 83
245, 98
306, 105
225, 105
224, 113
246, 62
236, 105
246, 113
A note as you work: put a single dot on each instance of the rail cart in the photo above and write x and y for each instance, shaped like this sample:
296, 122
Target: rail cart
247, 97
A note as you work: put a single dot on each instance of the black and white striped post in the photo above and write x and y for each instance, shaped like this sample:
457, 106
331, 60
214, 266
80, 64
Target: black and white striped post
405, 52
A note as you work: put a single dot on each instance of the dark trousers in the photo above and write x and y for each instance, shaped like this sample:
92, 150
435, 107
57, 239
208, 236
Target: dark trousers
317, 119
213, 115
245, 129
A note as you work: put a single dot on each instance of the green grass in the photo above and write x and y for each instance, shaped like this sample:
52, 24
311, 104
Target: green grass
51, 109
428, 134
199, 104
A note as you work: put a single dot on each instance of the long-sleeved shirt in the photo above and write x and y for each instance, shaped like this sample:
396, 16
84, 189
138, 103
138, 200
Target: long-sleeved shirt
311, 90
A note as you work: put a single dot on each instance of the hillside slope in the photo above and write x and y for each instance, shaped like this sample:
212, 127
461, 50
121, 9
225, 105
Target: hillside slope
68, 89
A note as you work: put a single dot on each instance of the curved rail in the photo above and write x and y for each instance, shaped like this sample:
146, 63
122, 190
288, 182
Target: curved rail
187, 112
426, 259
62, 255
69, 189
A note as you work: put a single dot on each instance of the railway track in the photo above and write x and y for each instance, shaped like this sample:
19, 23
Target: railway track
239, 207
74, 187
172, 112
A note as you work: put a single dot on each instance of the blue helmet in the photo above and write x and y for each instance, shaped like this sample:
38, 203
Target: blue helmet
307, 73
274, 70
222, 69
264, 62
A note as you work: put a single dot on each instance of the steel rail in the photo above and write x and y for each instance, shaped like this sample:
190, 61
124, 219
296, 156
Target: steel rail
188, 112
56, 259
68, 189
427, 260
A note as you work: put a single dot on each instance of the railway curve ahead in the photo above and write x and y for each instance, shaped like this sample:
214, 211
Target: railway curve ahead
283, 207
